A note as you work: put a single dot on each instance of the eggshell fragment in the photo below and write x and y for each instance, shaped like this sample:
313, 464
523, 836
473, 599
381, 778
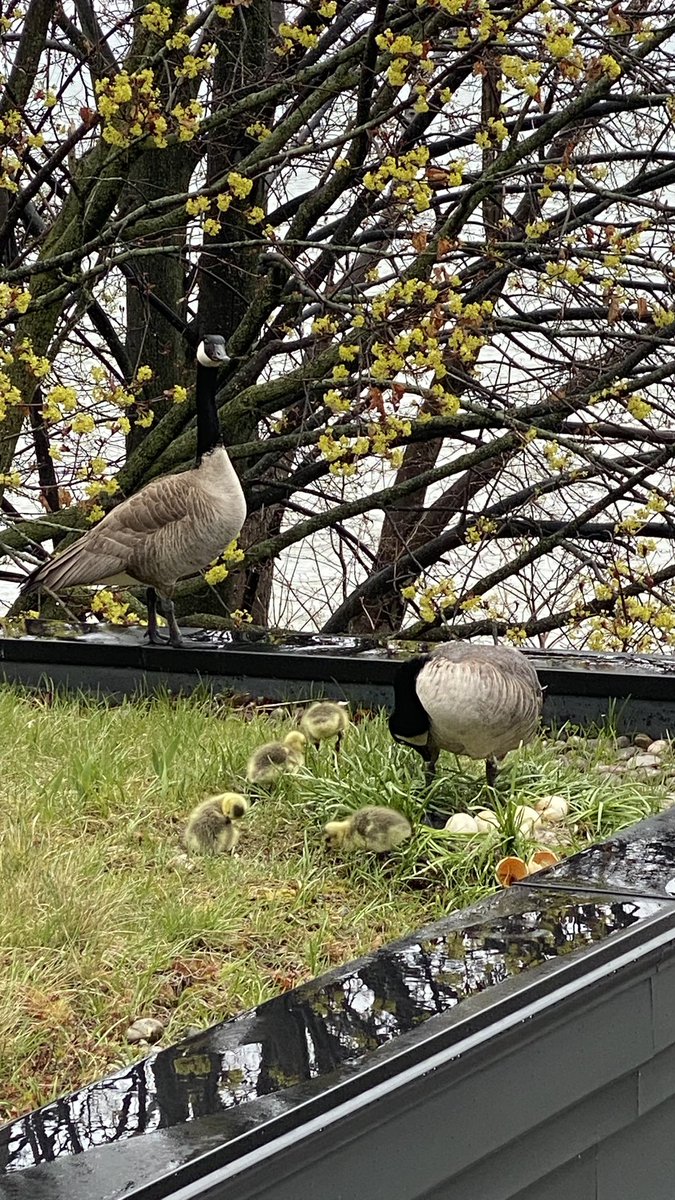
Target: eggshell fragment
552, 809
540, 860
510, 870
526, 818
462, 823
486, 820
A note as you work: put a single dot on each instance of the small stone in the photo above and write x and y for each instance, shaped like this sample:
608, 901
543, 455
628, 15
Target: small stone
643, 740
645, 761
145, 1029
192, 1031
613, 768
622, 742
591, 743
626, 752
661, 746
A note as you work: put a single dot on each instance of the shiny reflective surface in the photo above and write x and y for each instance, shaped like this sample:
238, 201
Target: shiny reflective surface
309, 1034
271, 641
641, 860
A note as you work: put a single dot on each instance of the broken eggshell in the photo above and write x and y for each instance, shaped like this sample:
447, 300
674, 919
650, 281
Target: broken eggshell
462, 823
540, 860
510, 870
526, 818
552, 809
486, 820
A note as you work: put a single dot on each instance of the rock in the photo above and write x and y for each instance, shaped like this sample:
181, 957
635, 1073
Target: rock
661, 746
626, 753
643, 762
613, 768
622, 742
192, 1031
145, 1029
643, 740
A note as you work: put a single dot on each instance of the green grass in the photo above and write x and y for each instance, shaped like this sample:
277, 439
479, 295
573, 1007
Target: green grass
103, 919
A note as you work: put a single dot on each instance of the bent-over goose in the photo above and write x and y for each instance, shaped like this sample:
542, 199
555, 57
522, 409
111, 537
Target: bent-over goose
324, 720
169, 530
481, 701
373, 828
213, 826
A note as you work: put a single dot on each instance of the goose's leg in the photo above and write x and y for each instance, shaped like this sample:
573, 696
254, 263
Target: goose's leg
491, 770
175, 638
338, 743
430, 756
152, 634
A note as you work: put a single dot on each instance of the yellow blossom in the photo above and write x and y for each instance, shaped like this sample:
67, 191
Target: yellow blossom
144, 374
83, 423
196, 205
239, 185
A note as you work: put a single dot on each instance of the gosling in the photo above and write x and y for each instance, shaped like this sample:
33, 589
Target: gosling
214, 825
374, 828
481, 701
269, 762
325, 720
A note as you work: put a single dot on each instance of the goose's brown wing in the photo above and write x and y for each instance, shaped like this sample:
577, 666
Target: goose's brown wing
120, 538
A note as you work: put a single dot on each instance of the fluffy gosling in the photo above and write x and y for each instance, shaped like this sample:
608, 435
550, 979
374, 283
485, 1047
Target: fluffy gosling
269, 762
324, 720
213, 826
373, 828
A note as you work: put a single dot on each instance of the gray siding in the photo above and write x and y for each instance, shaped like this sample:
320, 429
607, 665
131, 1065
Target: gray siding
578, 1104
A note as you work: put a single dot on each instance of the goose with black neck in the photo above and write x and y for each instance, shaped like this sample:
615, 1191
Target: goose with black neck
169, 530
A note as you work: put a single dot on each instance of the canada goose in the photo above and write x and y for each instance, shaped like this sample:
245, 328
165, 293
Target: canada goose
274, 759
481, 701
172, 528
325, 720
374, 828
213, 826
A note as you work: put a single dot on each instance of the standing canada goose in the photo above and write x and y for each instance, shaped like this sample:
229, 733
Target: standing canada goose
324, 720
274, 759
477, 700
172, 528
373, 828
213, 826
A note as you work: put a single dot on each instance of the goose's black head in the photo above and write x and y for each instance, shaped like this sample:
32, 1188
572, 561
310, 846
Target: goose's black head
409, 722
211, 351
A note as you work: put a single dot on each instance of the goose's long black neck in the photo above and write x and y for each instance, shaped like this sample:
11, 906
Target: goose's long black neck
208, 426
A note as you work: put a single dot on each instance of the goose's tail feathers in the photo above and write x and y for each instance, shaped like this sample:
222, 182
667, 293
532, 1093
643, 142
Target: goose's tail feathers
78, 565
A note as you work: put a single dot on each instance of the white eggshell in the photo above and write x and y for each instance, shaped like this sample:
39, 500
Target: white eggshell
552, 809
486, 820
526, 818
462, 823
